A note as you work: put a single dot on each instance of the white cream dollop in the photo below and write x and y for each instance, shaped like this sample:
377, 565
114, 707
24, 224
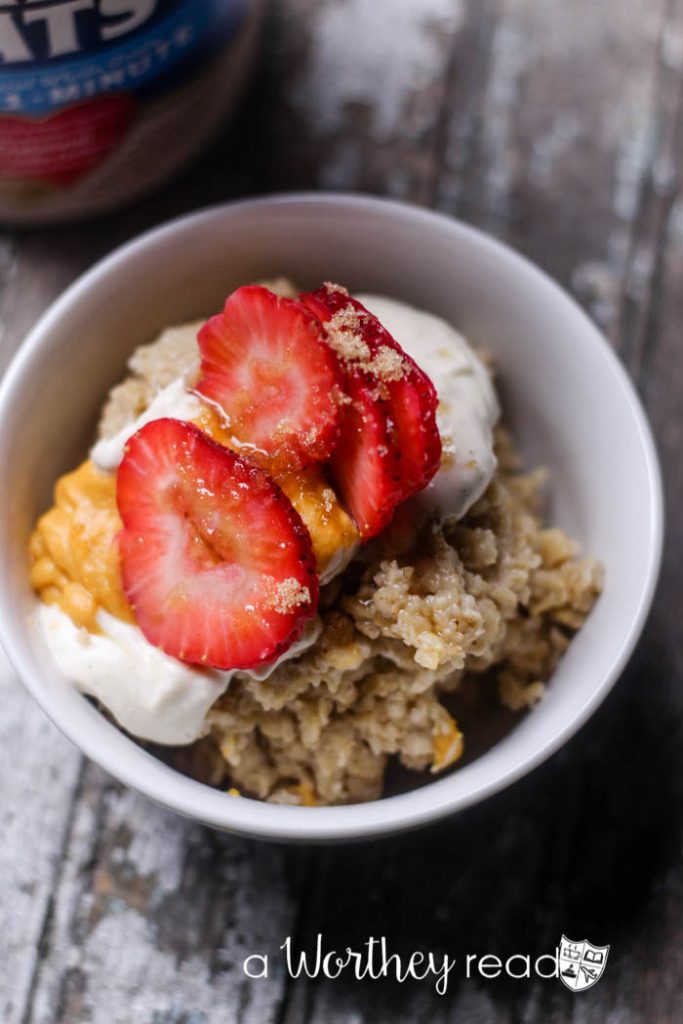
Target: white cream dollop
468, 408
156, 697
174, 401
150, 694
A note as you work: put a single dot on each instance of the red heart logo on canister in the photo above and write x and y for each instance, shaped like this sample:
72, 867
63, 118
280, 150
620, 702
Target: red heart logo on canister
65, 146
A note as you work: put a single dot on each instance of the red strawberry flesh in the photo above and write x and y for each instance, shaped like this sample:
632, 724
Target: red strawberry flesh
366, 465
265, 363
215, 561
410, 394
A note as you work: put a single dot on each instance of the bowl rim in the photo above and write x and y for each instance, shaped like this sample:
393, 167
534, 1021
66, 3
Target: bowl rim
246, 816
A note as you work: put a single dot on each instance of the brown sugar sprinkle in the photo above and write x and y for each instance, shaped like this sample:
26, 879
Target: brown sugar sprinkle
345, 337
387, 364
289, 594
343, 334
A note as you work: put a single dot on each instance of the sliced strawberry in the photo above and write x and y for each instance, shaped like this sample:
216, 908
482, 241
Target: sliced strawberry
266, 364
215, 561
365, 464
413, 406
410, 393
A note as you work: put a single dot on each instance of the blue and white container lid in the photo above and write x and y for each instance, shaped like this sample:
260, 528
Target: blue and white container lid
101, 100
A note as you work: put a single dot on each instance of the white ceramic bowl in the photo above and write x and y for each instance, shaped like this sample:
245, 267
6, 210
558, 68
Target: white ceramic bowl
566, 397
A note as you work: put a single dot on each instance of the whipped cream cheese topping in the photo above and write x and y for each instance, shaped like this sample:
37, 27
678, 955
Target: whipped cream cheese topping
156, 697
150, 694
174, 400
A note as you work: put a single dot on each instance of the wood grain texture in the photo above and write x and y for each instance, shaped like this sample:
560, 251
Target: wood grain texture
559, 128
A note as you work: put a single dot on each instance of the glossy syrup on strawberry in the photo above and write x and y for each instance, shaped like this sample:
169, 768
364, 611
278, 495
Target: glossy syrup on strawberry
215, 561
266, 365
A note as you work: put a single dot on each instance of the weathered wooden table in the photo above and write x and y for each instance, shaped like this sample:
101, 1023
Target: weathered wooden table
557, 126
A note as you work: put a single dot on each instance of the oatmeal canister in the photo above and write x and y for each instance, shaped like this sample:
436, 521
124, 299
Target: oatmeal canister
101, 100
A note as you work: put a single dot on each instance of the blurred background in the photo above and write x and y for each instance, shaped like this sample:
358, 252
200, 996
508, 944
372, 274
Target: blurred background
557, 127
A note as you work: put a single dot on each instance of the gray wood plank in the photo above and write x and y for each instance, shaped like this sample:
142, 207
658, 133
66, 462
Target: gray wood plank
355, 96
39, 769
154, 916
39, 773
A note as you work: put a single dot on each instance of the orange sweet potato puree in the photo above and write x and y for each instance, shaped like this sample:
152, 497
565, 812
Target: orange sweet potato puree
447, 746
73, 550
74, 557
329, 525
